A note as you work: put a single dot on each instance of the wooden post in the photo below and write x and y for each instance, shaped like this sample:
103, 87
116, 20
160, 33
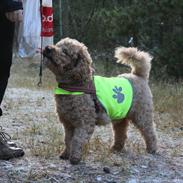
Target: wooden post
60, 4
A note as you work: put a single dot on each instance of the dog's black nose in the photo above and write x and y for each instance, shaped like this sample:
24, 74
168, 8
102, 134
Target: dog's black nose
48, 49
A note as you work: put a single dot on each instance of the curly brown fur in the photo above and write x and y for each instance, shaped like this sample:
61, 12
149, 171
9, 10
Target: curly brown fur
71, 63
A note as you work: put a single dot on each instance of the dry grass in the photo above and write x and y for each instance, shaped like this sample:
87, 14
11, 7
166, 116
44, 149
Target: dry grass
168, 101
45, 140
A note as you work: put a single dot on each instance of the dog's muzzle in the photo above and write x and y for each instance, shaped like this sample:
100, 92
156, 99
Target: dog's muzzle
47, 53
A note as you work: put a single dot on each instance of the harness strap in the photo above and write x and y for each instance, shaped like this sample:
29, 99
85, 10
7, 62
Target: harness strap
89, 88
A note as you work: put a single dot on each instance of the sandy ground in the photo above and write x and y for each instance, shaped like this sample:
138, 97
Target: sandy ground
29, 116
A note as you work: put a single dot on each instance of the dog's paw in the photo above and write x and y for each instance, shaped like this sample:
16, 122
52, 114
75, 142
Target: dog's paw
152, 151
117, 148
74, 160
64, 155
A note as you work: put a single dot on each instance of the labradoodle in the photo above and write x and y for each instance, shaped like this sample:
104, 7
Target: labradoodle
82, 100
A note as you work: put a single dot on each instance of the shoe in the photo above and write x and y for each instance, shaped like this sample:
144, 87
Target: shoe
7, 150
11, 144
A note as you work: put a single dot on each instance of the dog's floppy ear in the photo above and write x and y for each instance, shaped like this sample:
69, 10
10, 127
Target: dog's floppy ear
82, 63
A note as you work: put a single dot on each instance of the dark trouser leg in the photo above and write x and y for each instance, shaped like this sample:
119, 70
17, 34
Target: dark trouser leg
3, 85
6, 37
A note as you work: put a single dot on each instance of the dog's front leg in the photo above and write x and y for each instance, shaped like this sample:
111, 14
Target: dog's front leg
81, 137
69, 130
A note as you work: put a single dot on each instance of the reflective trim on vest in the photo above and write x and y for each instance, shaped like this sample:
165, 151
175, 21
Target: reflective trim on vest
60, 91
115, 94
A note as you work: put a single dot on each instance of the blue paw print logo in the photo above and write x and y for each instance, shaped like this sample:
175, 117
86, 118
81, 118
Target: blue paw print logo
119, 96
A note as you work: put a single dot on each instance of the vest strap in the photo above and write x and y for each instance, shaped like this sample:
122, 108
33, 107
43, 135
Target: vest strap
89, 88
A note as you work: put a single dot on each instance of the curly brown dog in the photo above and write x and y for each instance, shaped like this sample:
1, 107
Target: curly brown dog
78, 107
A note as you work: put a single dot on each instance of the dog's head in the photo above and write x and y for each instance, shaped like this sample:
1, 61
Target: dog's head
69, 60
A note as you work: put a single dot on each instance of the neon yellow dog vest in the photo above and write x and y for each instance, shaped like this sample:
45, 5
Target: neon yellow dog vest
115, 94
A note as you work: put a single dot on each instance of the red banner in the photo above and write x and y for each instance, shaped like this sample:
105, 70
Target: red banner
47, 21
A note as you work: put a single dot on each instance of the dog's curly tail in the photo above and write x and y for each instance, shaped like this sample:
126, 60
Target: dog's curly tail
139, 61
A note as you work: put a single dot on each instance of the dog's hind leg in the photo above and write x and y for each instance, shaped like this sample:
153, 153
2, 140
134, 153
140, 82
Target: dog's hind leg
69, 130
144, 122
120, 134
80, 138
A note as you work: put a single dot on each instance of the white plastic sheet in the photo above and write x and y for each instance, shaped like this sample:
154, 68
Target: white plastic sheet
29, 34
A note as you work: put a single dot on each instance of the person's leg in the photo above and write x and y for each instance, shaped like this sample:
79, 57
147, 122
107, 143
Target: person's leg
7, 149
3, 85
6, 37
1, 112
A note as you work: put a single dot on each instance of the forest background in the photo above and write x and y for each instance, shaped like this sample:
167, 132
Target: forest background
156, 26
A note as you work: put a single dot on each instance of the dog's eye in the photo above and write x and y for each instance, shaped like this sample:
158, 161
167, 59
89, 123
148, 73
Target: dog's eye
65, 51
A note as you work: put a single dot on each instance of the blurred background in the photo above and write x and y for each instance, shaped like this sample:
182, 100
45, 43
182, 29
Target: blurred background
156, 26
